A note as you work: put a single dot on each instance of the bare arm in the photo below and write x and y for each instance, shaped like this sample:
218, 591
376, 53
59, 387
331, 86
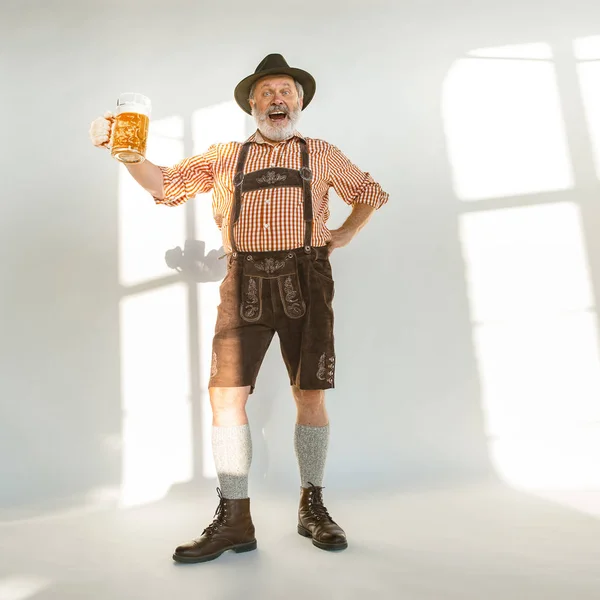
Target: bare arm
149, 176
359, 217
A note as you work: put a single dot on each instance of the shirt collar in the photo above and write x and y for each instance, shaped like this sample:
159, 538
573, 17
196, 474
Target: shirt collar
259, 139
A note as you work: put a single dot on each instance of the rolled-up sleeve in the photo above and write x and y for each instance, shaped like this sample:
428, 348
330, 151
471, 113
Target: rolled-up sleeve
191, 176
351, 184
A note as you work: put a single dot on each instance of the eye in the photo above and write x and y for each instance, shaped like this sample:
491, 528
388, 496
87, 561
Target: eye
266, 93
286, 92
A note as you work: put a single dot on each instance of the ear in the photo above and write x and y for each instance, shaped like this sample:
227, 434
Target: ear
301, 102
252, 102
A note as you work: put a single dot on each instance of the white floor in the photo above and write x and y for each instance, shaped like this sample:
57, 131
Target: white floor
476, 542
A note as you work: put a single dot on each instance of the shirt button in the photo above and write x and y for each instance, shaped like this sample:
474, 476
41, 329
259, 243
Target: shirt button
266, 226
267, 202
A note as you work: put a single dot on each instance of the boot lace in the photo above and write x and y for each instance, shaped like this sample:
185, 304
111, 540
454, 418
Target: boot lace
219, 516
315, 504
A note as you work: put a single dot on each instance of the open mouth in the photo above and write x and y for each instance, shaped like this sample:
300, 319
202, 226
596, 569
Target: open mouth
277, 116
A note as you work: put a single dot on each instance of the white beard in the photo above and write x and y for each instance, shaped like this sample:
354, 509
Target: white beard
275, 132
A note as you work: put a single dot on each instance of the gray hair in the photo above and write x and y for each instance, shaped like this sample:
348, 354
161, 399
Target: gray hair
298, 87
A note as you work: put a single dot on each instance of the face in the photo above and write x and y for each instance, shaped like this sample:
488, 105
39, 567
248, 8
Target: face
276, 107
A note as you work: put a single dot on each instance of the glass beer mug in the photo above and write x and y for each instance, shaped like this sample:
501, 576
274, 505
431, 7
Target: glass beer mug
130, 129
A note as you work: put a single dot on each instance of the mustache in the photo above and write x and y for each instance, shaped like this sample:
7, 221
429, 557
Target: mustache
274, 108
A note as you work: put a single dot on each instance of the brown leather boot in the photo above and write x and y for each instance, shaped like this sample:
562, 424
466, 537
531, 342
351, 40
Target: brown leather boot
314, 521
231, 529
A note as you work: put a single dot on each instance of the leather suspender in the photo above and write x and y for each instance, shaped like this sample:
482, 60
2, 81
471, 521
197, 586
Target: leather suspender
304, 180
307, 176
238, 182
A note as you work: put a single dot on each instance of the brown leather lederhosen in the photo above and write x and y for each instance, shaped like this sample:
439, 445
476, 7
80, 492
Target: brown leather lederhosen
289, 292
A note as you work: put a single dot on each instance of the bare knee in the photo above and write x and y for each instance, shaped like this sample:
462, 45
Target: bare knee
229, 405
311, 407
308, 398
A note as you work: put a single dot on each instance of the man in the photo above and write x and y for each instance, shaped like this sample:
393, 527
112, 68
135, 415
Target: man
270, 200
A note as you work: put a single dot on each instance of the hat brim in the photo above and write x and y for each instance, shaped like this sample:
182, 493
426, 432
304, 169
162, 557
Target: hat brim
306, 80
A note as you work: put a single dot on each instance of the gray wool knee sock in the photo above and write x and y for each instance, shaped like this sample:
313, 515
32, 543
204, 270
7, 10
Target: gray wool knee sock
311, 445
232, 451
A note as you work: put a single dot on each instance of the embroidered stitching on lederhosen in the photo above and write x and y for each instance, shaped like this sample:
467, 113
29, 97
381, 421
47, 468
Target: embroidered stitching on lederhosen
272, 177
214, 369
270, 265
291, 296
251, 307
326, 368
285, 271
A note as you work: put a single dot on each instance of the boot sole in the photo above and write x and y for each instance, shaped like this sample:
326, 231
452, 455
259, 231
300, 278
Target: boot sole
306, 533
239, 548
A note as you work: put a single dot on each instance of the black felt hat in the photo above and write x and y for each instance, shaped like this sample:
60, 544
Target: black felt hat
274, 64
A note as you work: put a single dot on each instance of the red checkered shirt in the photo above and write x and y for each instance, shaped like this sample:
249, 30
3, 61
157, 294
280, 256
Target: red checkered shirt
270, 219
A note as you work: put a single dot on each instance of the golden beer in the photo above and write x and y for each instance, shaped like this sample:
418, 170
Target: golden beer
130, 128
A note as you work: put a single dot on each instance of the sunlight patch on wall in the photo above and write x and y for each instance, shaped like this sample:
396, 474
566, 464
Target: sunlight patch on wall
525, 262
539, 376
565, 461
147, 230
536, 342
504, 128
157, 444
157, 433
587, 48
221, 123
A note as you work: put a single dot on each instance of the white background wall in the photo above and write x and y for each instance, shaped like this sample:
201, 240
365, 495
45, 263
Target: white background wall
408, 404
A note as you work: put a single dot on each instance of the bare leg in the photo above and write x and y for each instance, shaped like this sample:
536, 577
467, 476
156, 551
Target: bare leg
229, 406
310, 405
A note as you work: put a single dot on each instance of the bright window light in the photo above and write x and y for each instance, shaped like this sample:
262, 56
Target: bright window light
157, 450
155, 371
535, 334
526, 261
146, 231
587, 48
504, 128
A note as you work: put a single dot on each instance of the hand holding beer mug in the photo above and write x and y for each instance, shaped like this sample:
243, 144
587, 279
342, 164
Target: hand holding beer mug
125, 133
